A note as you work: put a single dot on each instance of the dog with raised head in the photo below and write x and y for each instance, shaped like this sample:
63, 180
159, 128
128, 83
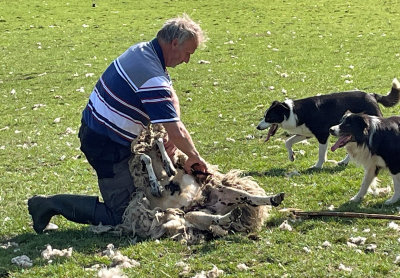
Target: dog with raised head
373, 142
313, 116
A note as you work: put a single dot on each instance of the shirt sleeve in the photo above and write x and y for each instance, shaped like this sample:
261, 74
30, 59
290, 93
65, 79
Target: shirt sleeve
159, 106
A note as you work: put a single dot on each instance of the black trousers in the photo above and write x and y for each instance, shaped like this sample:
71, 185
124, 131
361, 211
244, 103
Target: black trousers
110, 161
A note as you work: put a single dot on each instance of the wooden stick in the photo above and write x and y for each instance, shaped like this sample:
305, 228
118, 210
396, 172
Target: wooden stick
344, 214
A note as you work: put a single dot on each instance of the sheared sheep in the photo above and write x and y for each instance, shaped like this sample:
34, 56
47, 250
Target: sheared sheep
169, 202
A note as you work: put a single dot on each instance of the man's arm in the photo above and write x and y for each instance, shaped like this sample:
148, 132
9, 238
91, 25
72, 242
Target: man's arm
180, 137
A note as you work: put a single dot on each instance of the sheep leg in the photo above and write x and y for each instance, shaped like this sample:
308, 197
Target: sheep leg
204, 219
155, 187
168, 166
230, 196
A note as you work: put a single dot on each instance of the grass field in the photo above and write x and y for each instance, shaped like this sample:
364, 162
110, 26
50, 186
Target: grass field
52, 53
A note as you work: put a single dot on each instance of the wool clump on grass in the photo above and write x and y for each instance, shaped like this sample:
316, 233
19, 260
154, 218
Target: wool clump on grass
119, 262
49, 252
22, 261
213, 273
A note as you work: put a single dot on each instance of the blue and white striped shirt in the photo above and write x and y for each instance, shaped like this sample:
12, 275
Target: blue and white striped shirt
135, 90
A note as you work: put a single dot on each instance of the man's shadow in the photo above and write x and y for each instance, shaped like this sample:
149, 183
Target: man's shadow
81, 240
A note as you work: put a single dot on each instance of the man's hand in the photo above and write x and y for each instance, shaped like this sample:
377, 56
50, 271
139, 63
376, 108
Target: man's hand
170, 148
178, 134
202, 165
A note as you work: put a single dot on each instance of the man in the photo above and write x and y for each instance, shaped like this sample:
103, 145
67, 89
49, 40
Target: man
134, 91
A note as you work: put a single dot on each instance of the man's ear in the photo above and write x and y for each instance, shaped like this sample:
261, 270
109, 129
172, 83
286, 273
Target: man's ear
175, 43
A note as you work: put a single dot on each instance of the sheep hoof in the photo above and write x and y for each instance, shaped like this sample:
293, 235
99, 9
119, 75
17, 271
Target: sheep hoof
155, 189
277, 199
224, 220
230, 217
169, 169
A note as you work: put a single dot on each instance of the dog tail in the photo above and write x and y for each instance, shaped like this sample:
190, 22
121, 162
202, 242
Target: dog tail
392, 98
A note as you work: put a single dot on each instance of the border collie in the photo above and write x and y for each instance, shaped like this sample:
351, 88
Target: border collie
373, 142
313, 116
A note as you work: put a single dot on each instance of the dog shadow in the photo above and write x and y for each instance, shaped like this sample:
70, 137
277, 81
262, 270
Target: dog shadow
325, 169
272, 172
283, 172
378, 207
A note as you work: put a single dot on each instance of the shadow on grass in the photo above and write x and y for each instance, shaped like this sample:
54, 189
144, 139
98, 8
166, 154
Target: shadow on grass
376, 208
282, 172
32, 245
353, 213
325, 169
273, 172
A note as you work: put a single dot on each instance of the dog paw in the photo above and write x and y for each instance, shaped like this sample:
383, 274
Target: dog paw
316, 166
391, 201
356, 199
344, 161
277, 199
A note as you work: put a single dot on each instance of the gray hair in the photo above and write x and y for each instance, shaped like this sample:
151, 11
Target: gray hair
181, 28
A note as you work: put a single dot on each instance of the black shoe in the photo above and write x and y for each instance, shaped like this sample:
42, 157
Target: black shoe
40, 209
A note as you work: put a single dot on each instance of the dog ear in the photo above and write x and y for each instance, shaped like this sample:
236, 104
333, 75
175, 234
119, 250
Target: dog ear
275, 103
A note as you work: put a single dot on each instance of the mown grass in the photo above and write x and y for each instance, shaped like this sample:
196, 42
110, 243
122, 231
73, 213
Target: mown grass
54, 51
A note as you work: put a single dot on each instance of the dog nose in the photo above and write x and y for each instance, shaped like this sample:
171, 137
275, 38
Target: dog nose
331, 131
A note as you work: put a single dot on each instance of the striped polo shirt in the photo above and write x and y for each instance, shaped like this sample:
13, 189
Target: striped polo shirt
135, 90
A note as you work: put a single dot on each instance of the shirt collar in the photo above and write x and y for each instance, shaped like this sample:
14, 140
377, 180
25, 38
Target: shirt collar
157, 48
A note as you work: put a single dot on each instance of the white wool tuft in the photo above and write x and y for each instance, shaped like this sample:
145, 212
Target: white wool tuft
49, 252
22, 261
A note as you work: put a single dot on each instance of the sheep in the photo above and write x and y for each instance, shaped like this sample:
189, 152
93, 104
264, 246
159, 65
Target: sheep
189, 207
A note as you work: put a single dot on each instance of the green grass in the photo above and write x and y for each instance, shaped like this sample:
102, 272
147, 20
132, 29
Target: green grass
304, 47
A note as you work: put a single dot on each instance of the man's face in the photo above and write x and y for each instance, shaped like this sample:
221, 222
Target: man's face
180, 53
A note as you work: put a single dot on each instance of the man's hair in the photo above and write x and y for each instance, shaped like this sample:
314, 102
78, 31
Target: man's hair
181, 28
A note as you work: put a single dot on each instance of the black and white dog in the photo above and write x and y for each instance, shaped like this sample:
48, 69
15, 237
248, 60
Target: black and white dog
313, 116
374, 142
